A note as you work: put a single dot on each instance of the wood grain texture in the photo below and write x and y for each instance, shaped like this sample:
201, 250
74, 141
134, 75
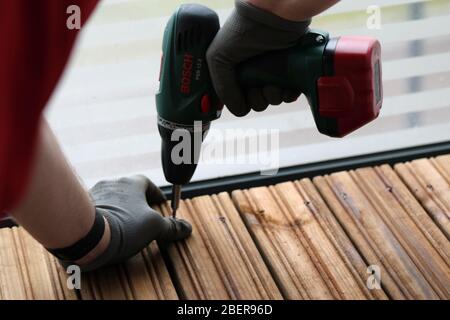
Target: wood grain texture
12, 286
288, 229
331, 226
59, 277
40, 282
381, 184
442, 163
28, 271
219, 260
306, 239
295, 272
360, 239
368, 218
142, 277
429, 181
148, 276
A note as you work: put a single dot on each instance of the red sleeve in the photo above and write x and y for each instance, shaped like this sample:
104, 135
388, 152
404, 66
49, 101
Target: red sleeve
34, 48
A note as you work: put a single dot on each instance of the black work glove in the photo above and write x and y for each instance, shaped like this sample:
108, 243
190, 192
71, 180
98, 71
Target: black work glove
125, 203
250, 31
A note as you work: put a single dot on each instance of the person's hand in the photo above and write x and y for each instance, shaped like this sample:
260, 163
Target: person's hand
250, 31
125, 203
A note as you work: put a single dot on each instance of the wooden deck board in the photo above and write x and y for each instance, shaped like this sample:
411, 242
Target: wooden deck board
380, 184
28, 271
368, 218
40, 282
219, 261
306, 239
12, 286
143, 277
430, 184
314, 261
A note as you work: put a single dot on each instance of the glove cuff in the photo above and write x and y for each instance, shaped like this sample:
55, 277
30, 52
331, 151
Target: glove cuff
262, 16
82, 247
106, 258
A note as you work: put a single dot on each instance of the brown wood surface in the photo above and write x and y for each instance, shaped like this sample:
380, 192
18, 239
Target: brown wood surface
39, 283
310, 263
143, 277
219, 260
12, 286
306, 239
59, 278
381, 184
368, 217
430, 183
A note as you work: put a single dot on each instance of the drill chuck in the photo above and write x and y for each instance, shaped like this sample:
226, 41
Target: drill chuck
180, 149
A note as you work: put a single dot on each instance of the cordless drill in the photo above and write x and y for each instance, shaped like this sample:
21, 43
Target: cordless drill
340, 77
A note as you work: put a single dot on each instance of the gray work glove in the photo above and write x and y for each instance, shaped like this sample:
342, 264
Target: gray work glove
125, 205
250, 31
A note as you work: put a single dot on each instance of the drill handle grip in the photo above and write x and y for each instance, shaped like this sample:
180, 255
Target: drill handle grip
267, 69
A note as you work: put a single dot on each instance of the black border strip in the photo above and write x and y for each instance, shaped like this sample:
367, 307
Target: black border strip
255, 179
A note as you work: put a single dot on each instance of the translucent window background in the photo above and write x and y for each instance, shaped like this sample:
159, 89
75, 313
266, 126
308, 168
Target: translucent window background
104, 109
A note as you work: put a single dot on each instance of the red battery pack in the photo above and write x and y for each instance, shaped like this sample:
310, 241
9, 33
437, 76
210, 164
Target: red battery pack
353, 94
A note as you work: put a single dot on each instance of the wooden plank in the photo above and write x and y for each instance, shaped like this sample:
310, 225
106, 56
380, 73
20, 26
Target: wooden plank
334, 231
45, 278
442, 163
359, 237
219, 260
142, 277
147, 276
416, 212
28, 271
292, 266
12, 285
141, 285
185, 269
319, 245
59, 277
261, 275
107, 284
194, 271
159, 274
54, 276
36, 266
364, 214
87, 291
22, 263
430, 188
437, 185
380, 185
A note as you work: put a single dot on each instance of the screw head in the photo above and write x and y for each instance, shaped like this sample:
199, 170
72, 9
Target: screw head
320, 39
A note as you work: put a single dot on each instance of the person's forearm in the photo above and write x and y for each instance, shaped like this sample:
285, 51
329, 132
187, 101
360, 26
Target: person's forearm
295, 10
56, 209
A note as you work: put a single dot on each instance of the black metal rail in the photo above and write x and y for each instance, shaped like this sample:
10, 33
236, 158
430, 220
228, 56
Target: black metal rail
255, 179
